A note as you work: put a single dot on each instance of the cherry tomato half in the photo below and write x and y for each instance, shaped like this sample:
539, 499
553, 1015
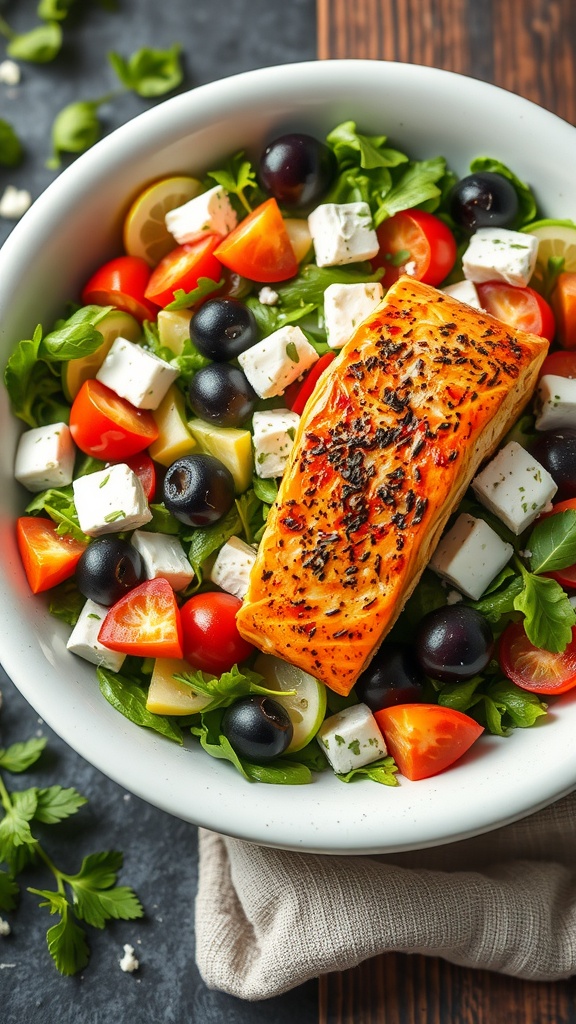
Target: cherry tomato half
211, 641
145, 622
419, 238
563, 301
426, 738
122, 283
521, 308
260, 248
561, 364
47, 557
108, 427
182, 268
533, 668
298, 393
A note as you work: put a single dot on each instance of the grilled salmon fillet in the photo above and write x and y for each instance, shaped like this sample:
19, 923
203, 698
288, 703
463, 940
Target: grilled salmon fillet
397, 427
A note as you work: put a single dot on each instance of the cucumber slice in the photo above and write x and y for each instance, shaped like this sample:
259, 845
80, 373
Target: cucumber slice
76, 371
174, 328
229, 444
167, 696
306, 708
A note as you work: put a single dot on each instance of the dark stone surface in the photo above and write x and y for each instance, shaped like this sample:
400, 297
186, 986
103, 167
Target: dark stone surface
160, 856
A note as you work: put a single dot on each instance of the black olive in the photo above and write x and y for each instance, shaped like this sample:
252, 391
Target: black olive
555, 450
484, 200
198, 490
258, 728
108, 569
392, 677
223, 328
297, 170
221, 394
454, 643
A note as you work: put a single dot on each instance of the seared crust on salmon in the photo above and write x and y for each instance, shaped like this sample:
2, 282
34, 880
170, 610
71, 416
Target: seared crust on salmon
397, 427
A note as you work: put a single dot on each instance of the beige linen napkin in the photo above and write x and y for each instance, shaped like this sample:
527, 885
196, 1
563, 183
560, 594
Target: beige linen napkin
268, 920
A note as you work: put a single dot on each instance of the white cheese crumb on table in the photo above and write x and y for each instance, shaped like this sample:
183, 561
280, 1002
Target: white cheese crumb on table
14, 202
129, 963
10, 73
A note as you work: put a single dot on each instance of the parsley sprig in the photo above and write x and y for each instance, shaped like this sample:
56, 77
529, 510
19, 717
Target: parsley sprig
90, 896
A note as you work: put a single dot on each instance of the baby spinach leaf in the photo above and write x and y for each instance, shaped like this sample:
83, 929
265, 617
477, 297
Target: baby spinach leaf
66, 602
522, 707
39, 46
552, 542
130, 700
148, 72
382, 771
75, 337
500, 602
280, 772
76, 127
213, 741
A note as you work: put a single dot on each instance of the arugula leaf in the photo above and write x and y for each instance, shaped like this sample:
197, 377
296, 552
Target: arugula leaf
184, 300
9, 889
97, 898
549, 616
417, 184
148, 72
224, 690
55, 804
58, 503
39, 46
382, 771
11, 151
21, 756
347, 142
527, 203
552, 542
130, 700
237, 176
66, 602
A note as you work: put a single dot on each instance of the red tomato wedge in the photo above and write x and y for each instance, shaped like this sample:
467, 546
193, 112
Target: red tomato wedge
122, 283
521, 308
108, 427
259, 248
48, 558
145, 622
424, 739
141, 464
561, 364
419, 238
563, 301
297, 394
212, 642
535, 669
182, 268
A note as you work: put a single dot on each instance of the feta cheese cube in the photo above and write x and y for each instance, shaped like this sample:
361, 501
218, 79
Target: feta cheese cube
274, 432
351, 738
210, 213
45, 457
555, 402
164, 557
515, 487
84, 642
110, 501
232, 568
136, 374
498, 254
346, 306
277, 361
14, 202
470, 556
342, 233
464, 291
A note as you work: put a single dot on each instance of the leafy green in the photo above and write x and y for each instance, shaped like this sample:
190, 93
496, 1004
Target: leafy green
11, 151
382, 771
549, 616
497, 704
15, 828
75, 337
265, 490
213, 741
206, 540
226, 689
500, 602
527, 203
54, 10
130, 700
21, 756
66, 602
75, 129
148, 72
552, 543
58, 503
237, 176
55, 804
185, 300
162, 520
97, 898
348, 145
282, 771
418, 184
8, 891
39, 46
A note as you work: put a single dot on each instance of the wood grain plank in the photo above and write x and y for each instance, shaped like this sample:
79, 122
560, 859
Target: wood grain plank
529, 47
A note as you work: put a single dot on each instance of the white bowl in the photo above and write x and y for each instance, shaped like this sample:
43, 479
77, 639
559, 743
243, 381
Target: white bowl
73, 227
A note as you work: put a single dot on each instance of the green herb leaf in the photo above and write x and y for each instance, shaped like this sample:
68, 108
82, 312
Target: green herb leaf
552, 542
185, 300
527, 203
8, 891
58, 503
549, 616
97, 898
224, 690
20, 756
130, 700
150, 73
237, 176
39, 46
55, 804
265, 490
75, 129
382, 771
162, 521
347, 143
67, 943
11, 151
311, 755
54, 10
15, 825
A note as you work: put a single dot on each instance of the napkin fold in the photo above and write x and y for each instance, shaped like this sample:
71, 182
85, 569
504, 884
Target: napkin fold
267, 920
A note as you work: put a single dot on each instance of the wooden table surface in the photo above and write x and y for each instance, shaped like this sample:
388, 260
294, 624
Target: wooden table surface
529, 47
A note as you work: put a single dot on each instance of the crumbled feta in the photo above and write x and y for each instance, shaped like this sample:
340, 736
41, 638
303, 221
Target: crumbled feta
45, 457
163, 556
453, 597
267, 296
464, 291
278, 360
232, 568
555, 403
14, 202
498, 254
342, 233
346, 306
5, 928
515, 487
210, 213
129, 963
135, 374
84, 642
351, 738
274, 432
9, 72
470, 556
110, 501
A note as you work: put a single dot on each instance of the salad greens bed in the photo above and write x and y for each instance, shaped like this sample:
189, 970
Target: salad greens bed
389, 181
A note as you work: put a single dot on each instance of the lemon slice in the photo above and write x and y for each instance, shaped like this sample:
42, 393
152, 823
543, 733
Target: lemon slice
145, 232
306, 707
556, 238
